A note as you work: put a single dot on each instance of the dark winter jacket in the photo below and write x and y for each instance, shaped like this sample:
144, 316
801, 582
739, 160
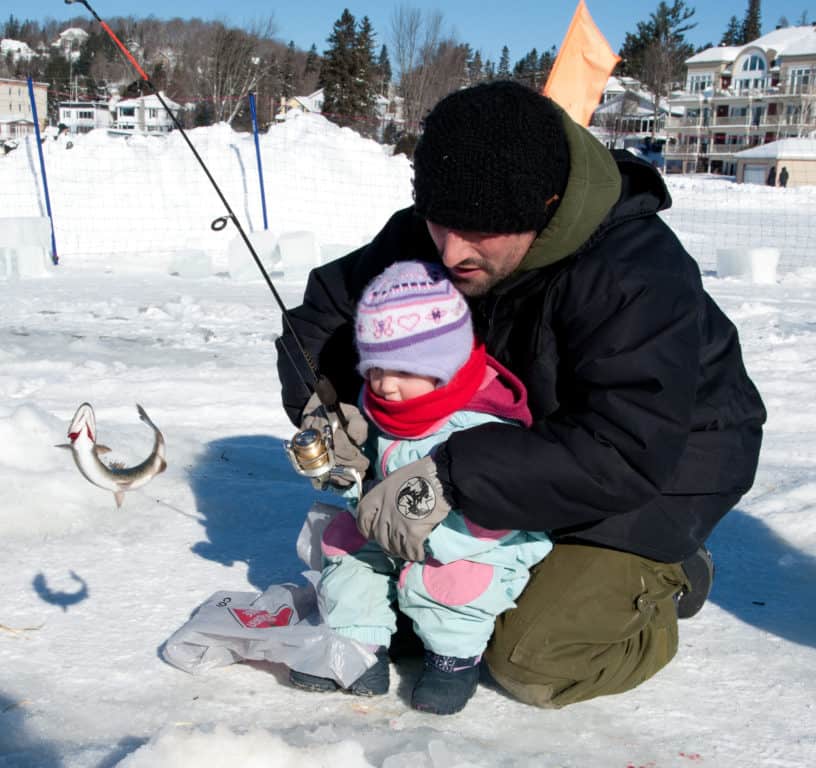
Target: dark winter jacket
646, 427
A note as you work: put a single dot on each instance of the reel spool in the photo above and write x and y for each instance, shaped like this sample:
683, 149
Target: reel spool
311, 453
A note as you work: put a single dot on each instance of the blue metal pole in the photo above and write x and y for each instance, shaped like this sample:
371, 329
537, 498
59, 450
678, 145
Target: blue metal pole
258, 156
54, 257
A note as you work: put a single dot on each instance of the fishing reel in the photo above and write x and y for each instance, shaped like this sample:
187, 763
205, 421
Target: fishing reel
311, 453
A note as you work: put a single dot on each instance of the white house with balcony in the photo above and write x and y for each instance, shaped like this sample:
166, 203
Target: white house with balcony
739, 97
144, 115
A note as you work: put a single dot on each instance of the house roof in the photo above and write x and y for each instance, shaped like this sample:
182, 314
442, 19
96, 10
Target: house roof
17, 48
715, 55
783, 149
149, 101
789, 41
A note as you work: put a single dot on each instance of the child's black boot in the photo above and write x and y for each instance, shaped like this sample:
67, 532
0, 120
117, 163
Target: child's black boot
446, 683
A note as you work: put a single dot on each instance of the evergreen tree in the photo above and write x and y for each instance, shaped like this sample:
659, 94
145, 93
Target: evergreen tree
527, 70
733, 33
312, 61
368, 85
384, 73
656, 54
545, 63
751, 25
475, 69
11, 29
347, 71
503, 70
664, 30
287, 73
337, 70
489, 70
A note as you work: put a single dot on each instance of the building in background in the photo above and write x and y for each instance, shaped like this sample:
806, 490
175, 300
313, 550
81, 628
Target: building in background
84, 116
144, 115
16, 117
739, 97
796, 156
625, 119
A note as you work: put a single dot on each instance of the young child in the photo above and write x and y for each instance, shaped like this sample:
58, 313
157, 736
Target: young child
426, 377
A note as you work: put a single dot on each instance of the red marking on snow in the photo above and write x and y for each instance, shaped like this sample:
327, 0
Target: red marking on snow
72, 436
263, 619
695, 756
90, 434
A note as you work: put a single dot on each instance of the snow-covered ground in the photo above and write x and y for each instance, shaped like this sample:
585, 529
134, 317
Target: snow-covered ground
90, 593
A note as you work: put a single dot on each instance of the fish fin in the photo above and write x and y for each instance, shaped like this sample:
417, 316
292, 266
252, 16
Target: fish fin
64, 445
144, 417
99, 448
120, 497
162, 466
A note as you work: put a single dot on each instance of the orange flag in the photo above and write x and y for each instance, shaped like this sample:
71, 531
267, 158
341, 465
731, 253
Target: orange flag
582, 67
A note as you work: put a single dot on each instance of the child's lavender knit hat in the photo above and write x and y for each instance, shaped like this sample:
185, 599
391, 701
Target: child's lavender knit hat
411, 318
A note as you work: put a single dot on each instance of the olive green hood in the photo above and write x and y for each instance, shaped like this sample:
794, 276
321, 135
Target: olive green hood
593, 187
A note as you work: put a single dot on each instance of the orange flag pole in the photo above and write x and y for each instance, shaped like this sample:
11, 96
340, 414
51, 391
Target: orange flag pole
582, 67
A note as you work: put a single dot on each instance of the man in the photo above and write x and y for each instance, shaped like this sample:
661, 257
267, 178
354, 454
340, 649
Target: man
646, 427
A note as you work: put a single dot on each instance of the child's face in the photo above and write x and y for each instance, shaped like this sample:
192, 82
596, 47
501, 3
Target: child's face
399, 385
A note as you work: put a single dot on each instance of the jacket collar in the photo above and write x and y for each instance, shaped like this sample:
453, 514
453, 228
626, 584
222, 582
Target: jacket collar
593, 188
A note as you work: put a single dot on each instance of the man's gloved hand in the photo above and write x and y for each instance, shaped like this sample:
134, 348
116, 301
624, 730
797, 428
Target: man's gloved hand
400, 512
347, 441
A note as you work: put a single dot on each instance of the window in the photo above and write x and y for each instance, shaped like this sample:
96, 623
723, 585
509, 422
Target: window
753, 63
700, 82
85, 114
752, 73
799, 78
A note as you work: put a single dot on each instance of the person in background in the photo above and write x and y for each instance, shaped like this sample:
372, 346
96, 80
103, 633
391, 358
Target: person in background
425, 378
783, 177
646, 428
771, 180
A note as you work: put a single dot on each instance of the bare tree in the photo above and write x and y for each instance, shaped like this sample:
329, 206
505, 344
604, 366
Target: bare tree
416, 38
614, 120
233, 66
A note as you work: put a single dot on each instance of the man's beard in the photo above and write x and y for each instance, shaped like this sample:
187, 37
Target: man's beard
479, 286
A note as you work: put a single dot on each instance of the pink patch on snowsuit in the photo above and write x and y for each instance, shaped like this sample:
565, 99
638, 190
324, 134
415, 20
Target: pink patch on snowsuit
478, 532
456, 583
341, 536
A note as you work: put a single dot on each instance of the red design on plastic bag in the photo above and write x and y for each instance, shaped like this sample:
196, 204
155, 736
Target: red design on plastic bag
253, 619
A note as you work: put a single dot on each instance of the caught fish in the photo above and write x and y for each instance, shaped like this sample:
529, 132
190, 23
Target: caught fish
113, 477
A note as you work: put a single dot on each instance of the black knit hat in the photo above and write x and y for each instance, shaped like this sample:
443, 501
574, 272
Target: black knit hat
492, 158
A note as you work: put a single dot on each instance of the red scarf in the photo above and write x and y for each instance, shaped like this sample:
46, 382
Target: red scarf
420, 415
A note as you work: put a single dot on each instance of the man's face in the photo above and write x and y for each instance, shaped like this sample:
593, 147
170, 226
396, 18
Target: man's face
476, 261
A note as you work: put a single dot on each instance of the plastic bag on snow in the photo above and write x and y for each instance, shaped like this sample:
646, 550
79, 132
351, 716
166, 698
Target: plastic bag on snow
281, 624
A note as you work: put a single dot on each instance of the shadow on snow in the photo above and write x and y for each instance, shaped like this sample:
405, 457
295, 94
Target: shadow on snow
762, 579
253, 504
17, 749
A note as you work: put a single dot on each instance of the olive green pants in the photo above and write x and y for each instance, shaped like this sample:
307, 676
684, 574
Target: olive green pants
591, 622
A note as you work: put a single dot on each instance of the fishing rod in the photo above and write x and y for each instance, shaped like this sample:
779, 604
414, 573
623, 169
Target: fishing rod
322, 386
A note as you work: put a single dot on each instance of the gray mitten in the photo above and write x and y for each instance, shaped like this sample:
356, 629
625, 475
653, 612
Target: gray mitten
400, 512
347, 441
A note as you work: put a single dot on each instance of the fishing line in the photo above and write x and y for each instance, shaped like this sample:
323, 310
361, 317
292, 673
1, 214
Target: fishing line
322, 386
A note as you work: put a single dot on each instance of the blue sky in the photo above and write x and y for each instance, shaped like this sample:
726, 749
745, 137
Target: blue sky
519, 24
